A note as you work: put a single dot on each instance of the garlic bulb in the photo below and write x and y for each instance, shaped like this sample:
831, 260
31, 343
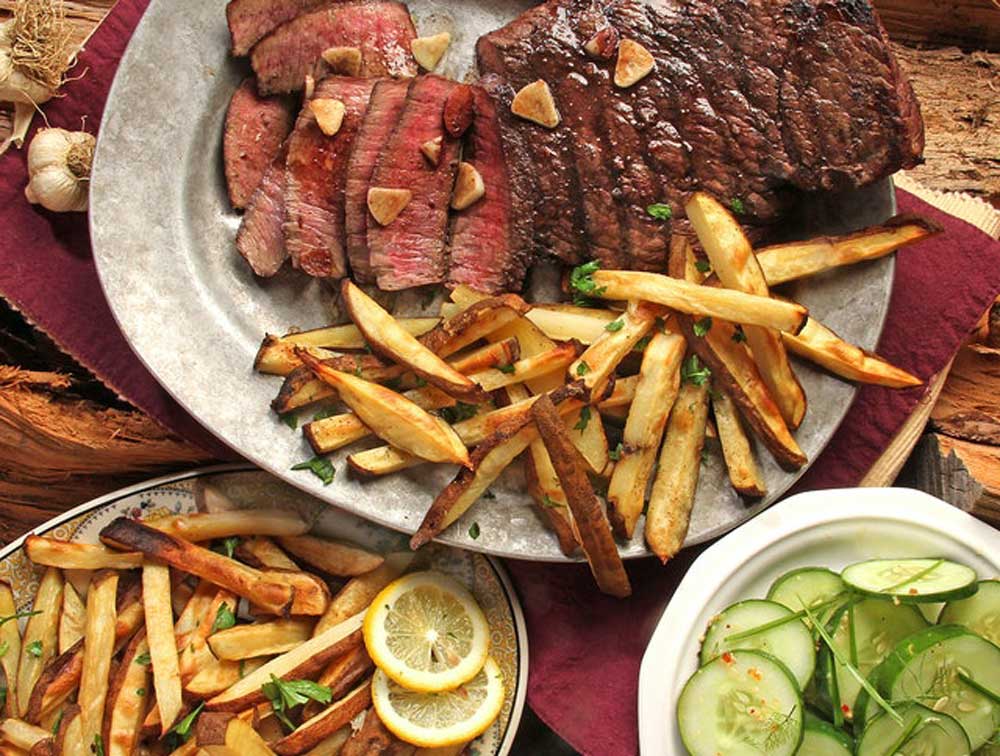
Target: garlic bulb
59, 169
15, 84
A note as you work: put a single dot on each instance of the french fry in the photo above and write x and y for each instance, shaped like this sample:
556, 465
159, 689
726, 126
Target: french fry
484, 318
333, 557
162, 643
194, 652
598, 363
529, 368
22, 735
300, 389
340, 676
672, 495
10, 638
787, 262
735, 264
262, 639
819, 344
621, 396
744, 474
206, 526
313, 731
591, 521
550, 500
387, 337
198, 606
51, 552
73, 618
565, 322
242, 739
659, 380
217, 675
210, 727
359, 591
303, 662
394, 418
98, 649
69, 739
265, 591
127, 700
687, 297
40, 636
332, 745
586, 431
262, 552
374, 737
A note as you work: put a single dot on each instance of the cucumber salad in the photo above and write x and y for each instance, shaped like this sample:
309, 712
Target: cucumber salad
891, 657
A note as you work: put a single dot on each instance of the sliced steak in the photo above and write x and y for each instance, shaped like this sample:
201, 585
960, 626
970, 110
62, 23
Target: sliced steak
384, 108
382, 30
316, 172
491, 240
252, 20
411, 251
255, 129
261, 238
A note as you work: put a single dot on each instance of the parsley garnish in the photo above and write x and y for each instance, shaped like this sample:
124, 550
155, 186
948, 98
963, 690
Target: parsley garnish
59, 719
35, 648
583, 368
4, 648
140, 692
702, 266
224, 618
287, 694
581, 424
737, 205
243, 668
641, 344
97, 748
615, 454
739, 335
18, 615
703, 326
143, 659
550, 503
615, 325
509, 368
474, 531
357, 367
183, 728
321, 467
660, 211
291, 420
227, 546
323, 414
461, 411
692, 371
581, 281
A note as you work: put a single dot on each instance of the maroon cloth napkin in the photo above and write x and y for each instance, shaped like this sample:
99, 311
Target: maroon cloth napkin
585, 647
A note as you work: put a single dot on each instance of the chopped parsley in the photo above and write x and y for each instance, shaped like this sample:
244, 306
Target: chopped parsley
59, 719
693, 372
285, 695
615, 325
358, 371
660, 211
737, 205
702, 266
641, 344
224, 618
584, 421
474, 531
140, 692
4, 648
291, 420
738, 335
323, 414
508, 368
227, 546
182, 730
321, 467
581, 281
703, 326
35, 648
17, 615
143, 659
460, 411
550, 503
615, 454
583, 368
97, 748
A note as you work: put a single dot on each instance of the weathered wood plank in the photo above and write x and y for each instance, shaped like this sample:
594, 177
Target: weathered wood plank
969, 23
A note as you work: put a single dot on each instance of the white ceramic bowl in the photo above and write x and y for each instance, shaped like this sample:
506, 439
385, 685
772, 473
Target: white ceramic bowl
821, 528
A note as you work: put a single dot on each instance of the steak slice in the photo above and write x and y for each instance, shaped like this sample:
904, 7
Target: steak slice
411, 251
491, 242
252, 20
315, 177
384, 108
381, 29
261, 238
255, 129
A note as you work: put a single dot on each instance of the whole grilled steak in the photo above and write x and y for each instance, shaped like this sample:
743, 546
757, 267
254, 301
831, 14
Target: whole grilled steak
255, 129
747, 99
261, 238
382, 30
315, 176
384, 108
411, 251
491, 240
251, 20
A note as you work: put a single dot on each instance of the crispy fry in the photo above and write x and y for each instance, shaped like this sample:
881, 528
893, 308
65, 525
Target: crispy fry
162, 643
262, 639
550, 499
263, 552
194, 652
359, 591
394, 418
69, 739
819, 344
10, 637
303, 662
193, 614
72, 619
22, 735
333, 557
744, 475
591, 521
598, 363
40, 636
332, 745
388, 338
529, 368
673, 491
313, 731
687, 297
340, 676
210, 727
127, 700
484, 318
78, 556
786, 262
735, 264
218, 675
659, 381
97, 651
242, 739
263, 590
586, 431
564, 322
206, 526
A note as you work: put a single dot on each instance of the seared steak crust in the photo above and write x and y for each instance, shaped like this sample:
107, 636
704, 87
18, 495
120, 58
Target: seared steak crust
261, 238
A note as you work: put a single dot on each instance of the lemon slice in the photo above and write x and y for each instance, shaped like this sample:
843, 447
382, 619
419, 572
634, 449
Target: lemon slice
427, 633
431, 720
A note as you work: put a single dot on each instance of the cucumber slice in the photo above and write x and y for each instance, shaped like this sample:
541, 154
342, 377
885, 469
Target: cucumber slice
741, 703
808, 586
790, 642
823, 739
929, 665
912, 580
925, 732
878, 627
979, 613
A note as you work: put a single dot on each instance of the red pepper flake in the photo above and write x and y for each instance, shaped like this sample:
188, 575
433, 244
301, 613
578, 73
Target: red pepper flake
755, 674
846, 709
727, 657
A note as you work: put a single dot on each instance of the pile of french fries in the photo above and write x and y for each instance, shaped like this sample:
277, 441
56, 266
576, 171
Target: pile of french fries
196, 635
668, 359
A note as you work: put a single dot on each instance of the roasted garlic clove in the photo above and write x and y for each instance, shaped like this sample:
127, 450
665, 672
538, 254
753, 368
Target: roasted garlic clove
534, 103
329, 114
469, 187
386, 204
343, 60
431, 149
634, 63
428, 51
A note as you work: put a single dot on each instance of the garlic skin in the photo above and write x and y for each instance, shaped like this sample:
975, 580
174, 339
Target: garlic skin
59, 164
14, 85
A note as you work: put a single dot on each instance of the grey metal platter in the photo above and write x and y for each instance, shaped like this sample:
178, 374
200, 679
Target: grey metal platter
163, 233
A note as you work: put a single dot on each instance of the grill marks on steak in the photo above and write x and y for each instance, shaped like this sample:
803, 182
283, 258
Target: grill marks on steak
255, 129
251, 20
411, 251
384, 109
315, 175
381, 29
491, 240
261, 238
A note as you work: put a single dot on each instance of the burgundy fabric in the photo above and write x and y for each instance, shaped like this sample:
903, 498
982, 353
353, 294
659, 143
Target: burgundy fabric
585, 648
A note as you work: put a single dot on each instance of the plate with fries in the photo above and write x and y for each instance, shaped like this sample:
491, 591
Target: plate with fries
223, 611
